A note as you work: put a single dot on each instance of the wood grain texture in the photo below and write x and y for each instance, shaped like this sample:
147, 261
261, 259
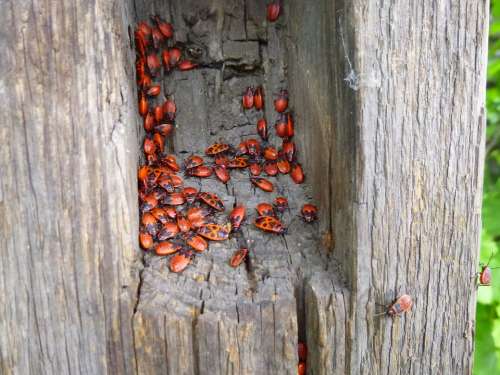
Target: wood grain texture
68, 226
407, 143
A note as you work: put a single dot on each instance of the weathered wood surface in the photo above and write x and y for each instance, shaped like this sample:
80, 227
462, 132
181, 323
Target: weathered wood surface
389, 108
213, 318
68, 201
407, 105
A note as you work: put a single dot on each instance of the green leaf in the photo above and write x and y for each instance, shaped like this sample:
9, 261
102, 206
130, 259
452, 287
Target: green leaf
485, 358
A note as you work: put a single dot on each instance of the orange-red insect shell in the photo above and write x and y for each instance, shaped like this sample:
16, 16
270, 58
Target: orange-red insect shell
145, 240
174, 199
154, 90
149, 146
169, 230
281, 126
193, 162
271, 168
175, 56
198, 243
183, 223
179, 262
309, 213
164, 129
187, 65
273, 11
238, 162
159, 141
212, 200
281, 102
301, 368
165, 28
238, 257
153, 63
166, 248
190, 194
302, 351
258, 98
201, 171
262, 129
143, 105
158, 113
149, 223
297, 174
400, 305
270, 224
265, 209
160, 214
262, 184
284, 166
149, 122
281, 204
237, 216
213, 232
247, 99
270, 153
216, 148
222, 173
255, 169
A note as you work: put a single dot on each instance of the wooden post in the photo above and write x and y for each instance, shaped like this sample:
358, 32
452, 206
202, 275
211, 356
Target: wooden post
68, 201
389, 108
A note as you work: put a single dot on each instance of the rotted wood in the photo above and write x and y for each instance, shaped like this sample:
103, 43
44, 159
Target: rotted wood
213, 318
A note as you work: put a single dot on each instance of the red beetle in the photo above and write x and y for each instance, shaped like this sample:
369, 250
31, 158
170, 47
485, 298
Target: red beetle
309, 213
193, 162
154, 90
149, 146
288, 149
202, 171
143, 105
179, 262
222, 173
297, 173
145, 240
174, 199
236, 217
270, 224
140, 42
262, 184
238, 162
273, 11
169, 230
262, 129
158, 37
265, 209
289, 126
149, 202
153, 63
301, 368
170, 109
247, 100
281, 204
242, 149
166, 248
258, 98
281, 102
238, 257
175, 56
158, 113
144, 28
484, 276
284, 166
197, 242
255, 169
213, 232
171, 162
149, 122
281, 126
190, 194
253, 147
196, 213
399, 306
150, 223
159, 142
212, 200
270, 153
216, 149
271, 168
164, 129
165, 57
165, 28
160, 214
183, 223
187, 65
171, 212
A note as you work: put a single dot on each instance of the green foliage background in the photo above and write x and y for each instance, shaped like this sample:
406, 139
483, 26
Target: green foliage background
487, 351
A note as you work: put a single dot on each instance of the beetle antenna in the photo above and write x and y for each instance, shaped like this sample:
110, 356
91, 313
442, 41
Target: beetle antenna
489, 260
380, 314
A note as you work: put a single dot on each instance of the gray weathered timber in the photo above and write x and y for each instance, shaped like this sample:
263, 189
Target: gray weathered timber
68, 211
404, 90
388, 101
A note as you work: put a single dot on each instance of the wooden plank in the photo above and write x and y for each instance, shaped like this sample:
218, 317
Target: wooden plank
68, 222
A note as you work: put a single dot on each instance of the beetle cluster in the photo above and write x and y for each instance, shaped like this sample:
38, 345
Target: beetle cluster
178, 220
